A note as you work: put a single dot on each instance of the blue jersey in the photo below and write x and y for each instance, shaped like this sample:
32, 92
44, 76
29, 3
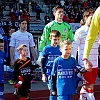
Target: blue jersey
64, 69
7, 47
1, 67
50, 53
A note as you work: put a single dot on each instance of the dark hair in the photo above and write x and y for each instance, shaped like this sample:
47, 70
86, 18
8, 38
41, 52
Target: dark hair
57, 7
1, 41
21, 20
54, 33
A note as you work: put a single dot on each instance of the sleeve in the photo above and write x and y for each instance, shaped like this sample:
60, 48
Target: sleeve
44, 38
31, 41
76, 43
16, 72
43, 60
0, 36
93, 32
78, 67
71, 34
12, 40
54, 76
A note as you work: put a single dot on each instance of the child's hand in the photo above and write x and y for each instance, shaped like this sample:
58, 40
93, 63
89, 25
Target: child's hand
44, 78
53, 93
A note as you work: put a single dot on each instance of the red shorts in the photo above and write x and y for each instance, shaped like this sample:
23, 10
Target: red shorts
90, 77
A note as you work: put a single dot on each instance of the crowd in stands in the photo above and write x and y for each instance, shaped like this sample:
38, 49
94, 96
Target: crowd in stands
73, 9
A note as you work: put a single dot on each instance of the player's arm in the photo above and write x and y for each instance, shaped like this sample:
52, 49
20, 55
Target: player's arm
32, 49
33, 53
76, 43
70, 34
93, 32
78, 67
54, 76
12, 45
44, 38
43, 61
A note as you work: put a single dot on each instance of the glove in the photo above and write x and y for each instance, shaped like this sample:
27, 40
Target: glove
20, 78
18, 85
20, 82
39, 59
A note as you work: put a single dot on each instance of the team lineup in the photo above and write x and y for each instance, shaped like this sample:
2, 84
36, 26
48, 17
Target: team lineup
58, 47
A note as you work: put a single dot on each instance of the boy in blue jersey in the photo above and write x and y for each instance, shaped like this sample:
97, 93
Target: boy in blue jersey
63, 73
49, 53
1, 69
7, 54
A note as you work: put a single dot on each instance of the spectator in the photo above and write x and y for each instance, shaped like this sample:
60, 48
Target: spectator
47, 18
17, 14
72, 20
21, 14
12, 14
26, 15
66, 18
38, 10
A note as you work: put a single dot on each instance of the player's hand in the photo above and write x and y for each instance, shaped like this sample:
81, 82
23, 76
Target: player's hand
39, 59
12, 63
44, 78
88, 65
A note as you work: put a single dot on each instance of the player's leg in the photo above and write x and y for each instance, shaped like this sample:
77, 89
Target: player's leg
1, 91
87, 90
67, 97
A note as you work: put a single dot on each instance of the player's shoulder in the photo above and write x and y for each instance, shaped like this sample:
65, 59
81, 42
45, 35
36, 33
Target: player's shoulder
66, 24
81, 29
47, 47
50, 24
15, 33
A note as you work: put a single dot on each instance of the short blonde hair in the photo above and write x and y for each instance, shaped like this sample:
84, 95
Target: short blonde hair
64, 42
20, 47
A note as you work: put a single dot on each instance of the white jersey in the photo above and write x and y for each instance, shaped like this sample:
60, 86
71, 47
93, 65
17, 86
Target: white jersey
18, 38
78, 44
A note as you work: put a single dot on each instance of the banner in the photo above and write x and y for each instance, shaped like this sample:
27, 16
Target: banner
74, 26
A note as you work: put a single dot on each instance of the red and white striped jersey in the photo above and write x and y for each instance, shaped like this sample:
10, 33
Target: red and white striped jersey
78, 44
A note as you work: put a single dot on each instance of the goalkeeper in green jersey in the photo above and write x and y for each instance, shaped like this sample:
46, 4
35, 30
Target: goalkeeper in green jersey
57, 24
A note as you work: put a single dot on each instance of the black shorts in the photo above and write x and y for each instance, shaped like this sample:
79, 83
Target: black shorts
99, 73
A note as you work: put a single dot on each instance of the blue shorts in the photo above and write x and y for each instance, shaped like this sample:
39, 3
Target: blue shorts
68, 97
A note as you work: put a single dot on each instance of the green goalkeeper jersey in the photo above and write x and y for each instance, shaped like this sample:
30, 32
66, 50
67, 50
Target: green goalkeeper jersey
63, 28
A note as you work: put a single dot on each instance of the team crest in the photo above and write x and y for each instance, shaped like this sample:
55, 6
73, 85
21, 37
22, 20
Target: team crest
65, 30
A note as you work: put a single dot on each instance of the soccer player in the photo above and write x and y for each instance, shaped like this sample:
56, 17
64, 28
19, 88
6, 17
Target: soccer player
7, 53
21, 37
49, 53
89, 78
63, 72
1, 69
57, 24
